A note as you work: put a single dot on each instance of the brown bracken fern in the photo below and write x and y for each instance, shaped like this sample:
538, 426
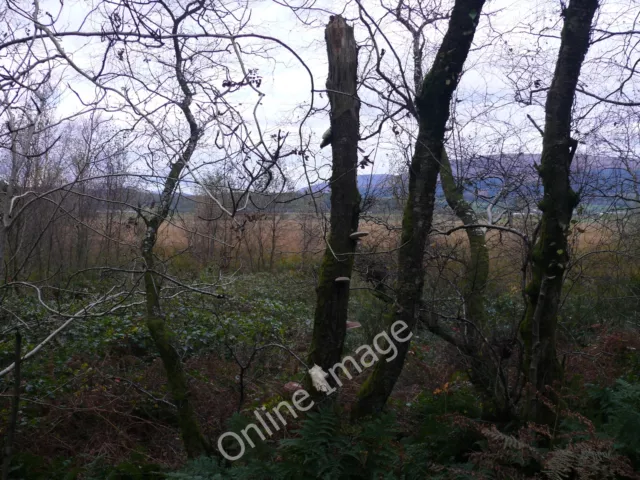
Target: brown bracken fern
576, 458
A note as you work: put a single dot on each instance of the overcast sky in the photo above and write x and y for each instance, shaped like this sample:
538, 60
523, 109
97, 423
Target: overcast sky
510, 51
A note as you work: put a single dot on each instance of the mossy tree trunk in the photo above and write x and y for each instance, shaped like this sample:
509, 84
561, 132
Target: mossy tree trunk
482, 364
478, 267
433, 106
332, 301
194, 441
550, 253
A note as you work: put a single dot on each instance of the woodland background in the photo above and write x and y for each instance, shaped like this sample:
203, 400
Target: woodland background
171, 234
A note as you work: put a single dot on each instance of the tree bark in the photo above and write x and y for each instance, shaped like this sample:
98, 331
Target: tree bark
332, 301
550, 253
482, 367
433, 105
194, 441
478, 267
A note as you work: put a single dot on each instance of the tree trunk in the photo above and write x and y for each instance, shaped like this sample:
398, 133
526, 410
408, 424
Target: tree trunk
483, 368
478, 268
332, 301
550, 253
194, 442
432, 102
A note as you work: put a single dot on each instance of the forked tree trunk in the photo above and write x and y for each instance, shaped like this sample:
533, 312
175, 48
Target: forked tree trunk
550, 253
432, 101
329, 328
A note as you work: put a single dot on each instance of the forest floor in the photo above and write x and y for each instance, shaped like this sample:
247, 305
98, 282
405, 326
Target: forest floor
97, 398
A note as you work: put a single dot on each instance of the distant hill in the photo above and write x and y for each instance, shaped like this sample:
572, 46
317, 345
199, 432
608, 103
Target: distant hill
596, 177
378, 184
488, 175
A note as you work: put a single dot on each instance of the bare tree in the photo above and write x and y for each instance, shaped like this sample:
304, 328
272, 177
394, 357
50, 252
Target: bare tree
550, 254
164, 72
432, 104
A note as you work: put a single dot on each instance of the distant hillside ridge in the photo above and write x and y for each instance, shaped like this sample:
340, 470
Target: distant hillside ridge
487, 175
